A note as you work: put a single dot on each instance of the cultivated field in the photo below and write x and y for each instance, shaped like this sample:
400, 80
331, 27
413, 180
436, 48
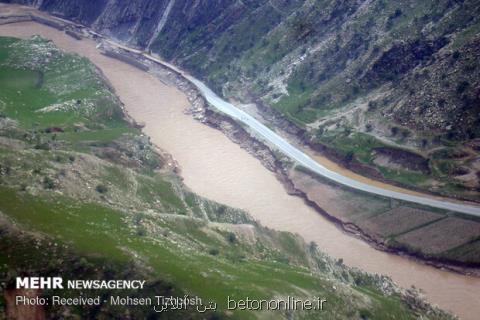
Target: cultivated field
398, 224
399, 220
442, 236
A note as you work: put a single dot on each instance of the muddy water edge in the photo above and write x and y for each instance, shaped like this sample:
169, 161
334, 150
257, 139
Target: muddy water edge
215, 167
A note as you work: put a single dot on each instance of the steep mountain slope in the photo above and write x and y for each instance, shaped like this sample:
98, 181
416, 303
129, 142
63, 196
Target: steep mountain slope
84, 194
380, 84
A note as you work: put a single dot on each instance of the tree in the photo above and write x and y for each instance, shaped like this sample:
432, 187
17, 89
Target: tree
349, 157
394, 131
462, 86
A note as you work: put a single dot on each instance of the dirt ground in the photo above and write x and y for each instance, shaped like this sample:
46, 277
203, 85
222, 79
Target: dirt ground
399, 220
443, 235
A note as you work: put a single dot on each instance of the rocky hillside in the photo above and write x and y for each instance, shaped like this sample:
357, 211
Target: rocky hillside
357, 77
84, 194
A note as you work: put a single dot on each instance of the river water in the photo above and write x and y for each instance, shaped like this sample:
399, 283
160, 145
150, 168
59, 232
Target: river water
214, 167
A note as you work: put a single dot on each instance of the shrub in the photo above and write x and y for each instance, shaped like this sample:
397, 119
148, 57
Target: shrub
394, 131
405, 133
101, 188
42, 146
141, 231
462, 86
319, 132
424, 143
5, 169
213, 251
365, 314
48, 183
397, 13
231, 237
137, 218
349, 156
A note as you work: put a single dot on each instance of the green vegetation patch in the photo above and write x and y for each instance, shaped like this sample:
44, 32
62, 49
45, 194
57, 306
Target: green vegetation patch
74, 172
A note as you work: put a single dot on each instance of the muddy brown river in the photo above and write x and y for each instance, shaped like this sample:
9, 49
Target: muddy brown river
216, 168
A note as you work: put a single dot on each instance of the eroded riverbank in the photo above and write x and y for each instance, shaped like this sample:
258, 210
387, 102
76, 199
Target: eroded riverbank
217, 168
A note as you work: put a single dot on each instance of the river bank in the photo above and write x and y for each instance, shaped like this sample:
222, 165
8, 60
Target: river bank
282, 169
280, 165
215, 167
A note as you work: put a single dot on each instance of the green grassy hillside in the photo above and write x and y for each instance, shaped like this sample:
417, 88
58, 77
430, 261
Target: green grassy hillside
83, 194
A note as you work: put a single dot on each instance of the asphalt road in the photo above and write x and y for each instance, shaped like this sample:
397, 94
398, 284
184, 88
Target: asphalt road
303, 159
